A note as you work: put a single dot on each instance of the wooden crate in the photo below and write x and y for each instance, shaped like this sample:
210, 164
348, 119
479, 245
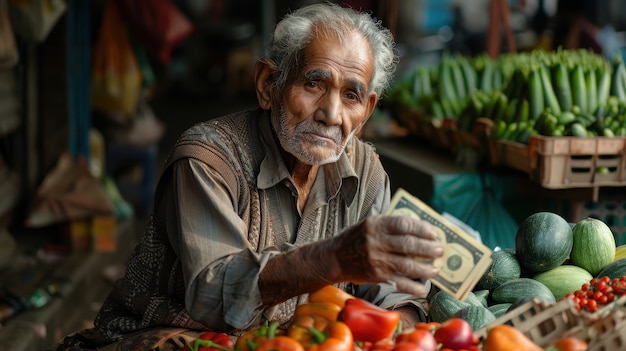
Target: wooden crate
515, 155
542, 322
568, 162
604, 332
425, 127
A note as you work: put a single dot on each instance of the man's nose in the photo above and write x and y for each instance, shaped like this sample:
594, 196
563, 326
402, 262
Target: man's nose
330, 109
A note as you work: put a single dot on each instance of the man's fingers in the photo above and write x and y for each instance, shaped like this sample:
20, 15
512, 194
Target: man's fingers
410, 225
410, 245
408, 285
413, 268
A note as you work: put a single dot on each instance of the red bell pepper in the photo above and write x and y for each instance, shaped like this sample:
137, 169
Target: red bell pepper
211, 341
367, 321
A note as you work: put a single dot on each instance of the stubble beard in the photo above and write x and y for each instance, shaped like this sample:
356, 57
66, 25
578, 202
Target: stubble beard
291, 140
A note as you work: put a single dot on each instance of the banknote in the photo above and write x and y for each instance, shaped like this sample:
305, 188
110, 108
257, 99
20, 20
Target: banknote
464, 260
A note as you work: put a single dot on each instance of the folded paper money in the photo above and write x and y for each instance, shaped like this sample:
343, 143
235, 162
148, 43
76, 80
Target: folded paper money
464, 259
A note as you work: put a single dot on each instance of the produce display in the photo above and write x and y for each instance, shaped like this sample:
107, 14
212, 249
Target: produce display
551, 93
559, 288
362, 326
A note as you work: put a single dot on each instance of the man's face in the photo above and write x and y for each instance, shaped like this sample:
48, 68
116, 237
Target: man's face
328, 100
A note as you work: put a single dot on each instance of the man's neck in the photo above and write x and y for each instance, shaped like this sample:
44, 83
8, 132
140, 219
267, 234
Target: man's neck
302, 175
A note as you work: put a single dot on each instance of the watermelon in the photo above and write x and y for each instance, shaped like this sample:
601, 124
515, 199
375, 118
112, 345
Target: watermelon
543, 241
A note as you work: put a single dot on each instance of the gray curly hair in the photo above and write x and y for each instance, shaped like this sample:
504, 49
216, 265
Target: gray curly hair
295, 30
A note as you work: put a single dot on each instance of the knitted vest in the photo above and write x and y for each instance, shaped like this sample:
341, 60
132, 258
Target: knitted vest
151, 294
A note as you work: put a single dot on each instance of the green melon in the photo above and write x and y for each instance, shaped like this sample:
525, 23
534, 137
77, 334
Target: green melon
615, 269
593, 245
543, 241
476, 316
520, 288
499, 309
442, 306
504, 267
564, 279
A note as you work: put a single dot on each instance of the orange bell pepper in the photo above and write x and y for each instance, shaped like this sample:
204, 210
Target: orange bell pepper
336, 337
318, 334
367, 321
280, 343
569, 343
300, 327
250, 340
506, 338
326, 310
332, 294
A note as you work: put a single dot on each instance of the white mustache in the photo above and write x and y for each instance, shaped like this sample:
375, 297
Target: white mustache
333, 133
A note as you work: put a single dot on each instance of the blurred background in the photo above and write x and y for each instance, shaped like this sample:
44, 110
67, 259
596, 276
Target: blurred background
93, 95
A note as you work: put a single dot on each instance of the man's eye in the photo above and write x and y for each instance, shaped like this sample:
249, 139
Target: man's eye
311, 84
352, 96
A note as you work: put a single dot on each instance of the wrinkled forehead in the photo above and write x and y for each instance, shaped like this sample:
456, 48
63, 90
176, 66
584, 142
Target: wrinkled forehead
345, 44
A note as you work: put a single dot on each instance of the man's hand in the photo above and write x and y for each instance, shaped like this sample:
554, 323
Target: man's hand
394, 249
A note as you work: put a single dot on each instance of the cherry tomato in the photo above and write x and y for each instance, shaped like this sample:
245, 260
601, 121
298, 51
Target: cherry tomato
455, 333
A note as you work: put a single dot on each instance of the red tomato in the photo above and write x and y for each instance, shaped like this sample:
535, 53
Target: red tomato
455, 333
382, 345
421, 337
408, 346
219, 339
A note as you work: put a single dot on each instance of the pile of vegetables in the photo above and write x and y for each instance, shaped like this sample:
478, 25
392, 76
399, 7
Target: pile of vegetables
552, 260
334, 320
550, 93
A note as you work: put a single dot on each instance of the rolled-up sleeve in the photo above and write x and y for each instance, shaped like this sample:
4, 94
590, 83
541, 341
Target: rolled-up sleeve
220, 268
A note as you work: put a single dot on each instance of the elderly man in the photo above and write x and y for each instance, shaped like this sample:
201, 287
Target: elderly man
256, 209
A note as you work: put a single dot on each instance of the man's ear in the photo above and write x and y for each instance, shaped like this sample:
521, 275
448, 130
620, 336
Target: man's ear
264, 75
371, 105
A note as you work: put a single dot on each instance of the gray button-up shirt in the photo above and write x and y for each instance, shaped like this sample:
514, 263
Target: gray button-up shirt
225, 205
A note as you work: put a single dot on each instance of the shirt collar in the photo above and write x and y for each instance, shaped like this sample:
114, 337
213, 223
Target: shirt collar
339, 176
